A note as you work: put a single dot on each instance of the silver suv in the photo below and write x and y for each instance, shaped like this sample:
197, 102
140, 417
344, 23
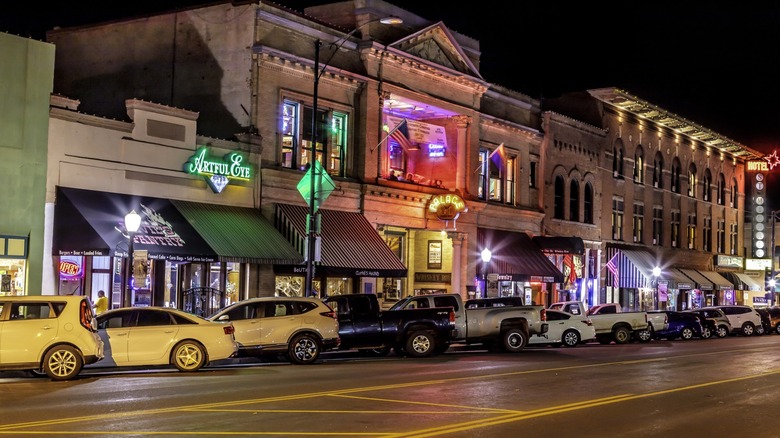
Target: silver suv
298, 327
744, 319
53, 334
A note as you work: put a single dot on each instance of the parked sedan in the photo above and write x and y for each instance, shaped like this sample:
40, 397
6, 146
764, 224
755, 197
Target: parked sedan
141, 336
298, 327
565, 329
680, 325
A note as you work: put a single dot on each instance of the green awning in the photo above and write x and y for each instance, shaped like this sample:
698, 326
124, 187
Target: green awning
239, 234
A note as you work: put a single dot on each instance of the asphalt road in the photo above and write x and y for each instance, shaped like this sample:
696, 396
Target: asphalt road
701, 388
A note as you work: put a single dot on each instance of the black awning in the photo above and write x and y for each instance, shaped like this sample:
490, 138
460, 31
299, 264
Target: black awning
560, 245
515, 254
350, 246
88, 222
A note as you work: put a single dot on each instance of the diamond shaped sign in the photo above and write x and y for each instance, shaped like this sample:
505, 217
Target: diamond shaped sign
323, 185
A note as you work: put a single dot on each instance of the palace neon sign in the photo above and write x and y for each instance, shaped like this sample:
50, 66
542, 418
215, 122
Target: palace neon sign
447, 207
218, 172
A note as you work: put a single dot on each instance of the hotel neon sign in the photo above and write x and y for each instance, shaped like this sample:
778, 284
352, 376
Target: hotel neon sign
218, 172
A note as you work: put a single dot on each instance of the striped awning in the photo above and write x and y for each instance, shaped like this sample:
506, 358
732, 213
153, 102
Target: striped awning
719, 283
700, 281
349, 244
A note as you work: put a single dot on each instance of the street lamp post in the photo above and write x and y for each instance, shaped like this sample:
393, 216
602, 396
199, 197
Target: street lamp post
132, 223
311, 228
656, 274
486, 255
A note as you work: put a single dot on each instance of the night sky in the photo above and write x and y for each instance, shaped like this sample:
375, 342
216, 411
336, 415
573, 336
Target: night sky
714, 65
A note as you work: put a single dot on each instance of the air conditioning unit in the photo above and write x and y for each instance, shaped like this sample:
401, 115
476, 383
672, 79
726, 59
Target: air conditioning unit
655, 184
614, 236
654, 241
733, 251
690, 246
635, 239
731, 204
614, 174
674, 244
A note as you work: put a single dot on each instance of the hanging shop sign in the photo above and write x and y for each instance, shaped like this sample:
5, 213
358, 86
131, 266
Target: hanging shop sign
421, 132
447, 207
729, 261
218, 172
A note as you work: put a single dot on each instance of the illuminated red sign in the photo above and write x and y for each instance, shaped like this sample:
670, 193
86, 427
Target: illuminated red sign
70, 268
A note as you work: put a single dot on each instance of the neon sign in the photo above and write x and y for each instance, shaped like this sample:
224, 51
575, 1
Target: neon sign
772, 160
447, 207
218, 172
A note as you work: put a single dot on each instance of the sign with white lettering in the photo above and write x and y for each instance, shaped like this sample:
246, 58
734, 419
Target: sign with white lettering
218, 172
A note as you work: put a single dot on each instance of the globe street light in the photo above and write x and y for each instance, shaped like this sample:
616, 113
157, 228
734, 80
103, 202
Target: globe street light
132, 223
486, 255
311, 229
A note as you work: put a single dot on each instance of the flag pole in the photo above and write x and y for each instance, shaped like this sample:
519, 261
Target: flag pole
388, 135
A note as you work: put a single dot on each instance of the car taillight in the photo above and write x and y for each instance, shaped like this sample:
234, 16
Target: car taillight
331, 314
452, 315
543, 314
229, 329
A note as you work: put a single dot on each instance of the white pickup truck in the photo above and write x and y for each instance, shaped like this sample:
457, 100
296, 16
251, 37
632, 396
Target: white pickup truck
492, 322
612, 324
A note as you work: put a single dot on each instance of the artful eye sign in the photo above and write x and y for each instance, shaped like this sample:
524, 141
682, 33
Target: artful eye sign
218, 171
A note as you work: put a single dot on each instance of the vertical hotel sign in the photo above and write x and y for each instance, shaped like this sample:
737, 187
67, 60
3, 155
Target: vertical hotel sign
218, 172
758, 169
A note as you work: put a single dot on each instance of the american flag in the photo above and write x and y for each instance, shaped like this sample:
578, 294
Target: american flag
612, 266
401, 135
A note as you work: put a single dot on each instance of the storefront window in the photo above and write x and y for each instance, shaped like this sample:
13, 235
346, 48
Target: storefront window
71, 276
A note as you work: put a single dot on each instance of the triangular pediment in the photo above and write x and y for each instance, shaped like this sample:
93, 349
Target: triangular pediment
436, 44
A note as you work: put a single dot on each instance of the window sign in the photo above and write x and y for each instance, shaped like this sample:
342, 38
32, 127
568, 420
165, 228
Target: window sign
218, 171
435, 150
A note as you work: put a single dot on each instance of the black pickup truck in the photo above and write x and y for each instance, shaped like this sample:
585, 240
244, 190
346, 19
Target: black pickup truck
413, 332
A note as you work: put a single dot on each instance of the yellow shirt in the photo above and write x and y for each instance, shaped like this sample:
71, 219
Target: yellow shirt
101, 305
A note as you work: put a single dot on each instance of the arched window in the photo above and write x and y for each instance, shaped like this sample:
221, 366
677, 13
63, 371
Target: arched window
676, 175
574, 201
559, 196
617, 160
706, 188
692, 180
639, 166
721, 189
588, 204
658, 171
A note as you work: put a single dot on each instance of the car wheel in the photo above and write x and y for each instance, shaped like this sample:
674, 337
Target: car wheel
748, 329
514, 340
645, 335
686, 333
188, 356
760, 329
420, 344
62, 362
304, 349
621, 335
570, 338
722, 332
706, 333
777, 329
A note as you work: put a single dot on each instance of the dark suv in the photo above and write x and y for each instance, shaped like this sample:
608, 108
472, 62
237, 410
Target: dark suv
683, 325
774, 320
721, 323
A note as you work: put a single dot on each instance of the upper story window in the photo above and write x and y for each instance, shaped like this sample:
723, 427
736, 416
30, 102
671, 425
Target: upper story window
532, 174
497, 175
330, 142
721, 196
574, 201
706, 186
617, 160
658, 225
588, 204
658, 171
676, 175
733, 202
675, 228
638, 222
639, 166
692, 180
617, 219
559, 198
733, 234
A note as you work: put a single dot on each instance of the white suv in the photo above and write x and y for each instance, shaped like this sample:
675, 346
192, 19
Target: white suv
298, 327
744, 319
49, 333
